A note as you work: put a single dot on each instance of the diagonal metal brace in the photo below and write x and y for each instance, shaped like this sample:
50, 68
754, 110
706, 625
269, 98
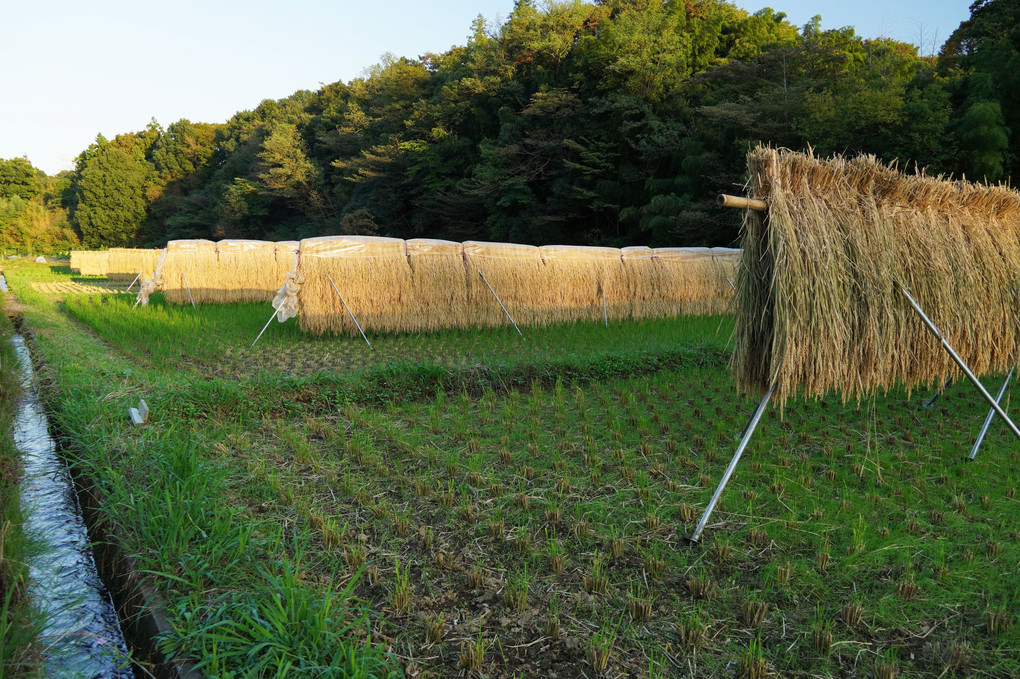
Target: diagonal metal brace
931, 402
751, 426
991, 415
349, 312
963, 366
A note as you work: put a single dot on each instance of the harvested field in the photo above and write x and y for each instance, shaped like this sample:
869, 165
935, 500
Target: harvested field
470, 498
77, 288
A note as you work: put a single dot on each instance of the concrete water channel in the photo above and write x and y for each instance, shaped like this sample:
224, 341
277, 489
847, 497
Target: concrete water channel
81, 635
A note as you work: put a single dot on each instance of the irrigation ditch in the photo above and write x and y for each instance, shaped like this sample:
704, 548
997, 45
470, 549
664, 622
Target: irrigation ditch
102, 618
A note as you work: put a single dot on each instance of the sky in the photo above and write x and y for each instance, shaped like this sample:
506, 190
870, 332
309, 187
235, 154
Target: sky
76, 69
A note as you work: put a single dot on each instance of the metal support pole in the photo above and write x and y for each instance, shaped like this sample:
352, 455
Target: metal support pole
751, 426
500, 304
963, 366
605, 309
348, 311
991, 415
185, 278
930, 402
264, 327
133, 282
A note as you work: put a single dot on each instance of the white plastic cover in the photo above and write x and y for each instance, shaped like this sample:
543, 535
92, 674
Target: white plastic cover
286, 300
682, 254
578, 252
433, 246
473, 248
352, 246
195, 244
241, 246
636, 252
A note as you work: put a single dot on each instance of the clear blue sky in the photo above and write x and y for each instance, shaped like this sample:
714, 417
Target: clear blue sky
74, 69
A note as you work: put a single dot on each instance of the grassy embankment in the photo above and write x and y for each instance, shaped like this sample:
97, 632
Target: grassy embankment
519, 507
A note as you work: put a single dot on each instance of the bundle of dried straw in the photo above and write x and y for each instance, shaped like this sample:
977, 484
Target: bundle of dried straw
644, 282
583, 283
820, 305
372, 275
438, 284
696, 281
125, 264
245, 271
90, 262
286, 256
182, 270
514, 272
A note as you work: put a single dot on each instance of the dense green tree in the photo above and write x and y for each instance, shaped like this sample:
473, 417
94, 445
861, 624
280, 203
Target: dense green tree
983, 139
608, 121
985, 52
32, 218
18, 178
112, 179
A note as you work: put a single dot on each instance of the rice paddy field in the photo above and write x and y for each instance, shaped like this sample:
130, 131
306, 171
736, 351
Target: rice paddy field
473, 503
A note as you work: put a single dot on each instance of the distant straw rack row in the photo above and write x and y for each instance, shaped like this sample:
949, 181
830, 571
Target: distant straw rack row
115, 263
205, 272
392, 285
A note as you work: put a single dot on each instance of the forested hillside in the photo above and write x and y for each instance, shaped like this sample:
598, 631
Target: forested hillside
32, 216
614, 122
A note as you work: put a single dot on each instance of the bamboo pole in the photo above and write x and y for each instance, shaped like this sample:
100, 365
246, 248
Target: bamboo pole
726, 200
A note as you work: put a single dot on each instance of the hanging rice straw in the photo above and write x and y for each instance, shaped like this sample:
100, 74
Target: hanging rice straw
516, 273
245, 271
644, 281
374, 272
286, 254
123, 264
439, 296
820, 306
576, 279
186, 258
691, 282
91, 262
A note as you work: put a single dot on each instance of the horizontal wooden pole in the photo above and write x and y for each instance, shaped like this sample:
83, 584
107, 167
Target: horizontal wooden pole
742, 203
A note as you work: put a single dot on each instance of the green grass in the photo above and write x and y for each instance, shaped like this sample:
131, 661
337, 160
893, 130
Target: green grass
215, 340
471, 502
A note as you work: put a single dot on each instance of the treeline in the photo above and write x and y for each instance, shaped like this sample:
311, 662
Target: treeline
614, 123
33, 218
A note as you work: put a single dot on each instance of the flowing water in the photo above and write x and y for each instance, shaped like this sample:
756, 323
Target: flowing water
82, 636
